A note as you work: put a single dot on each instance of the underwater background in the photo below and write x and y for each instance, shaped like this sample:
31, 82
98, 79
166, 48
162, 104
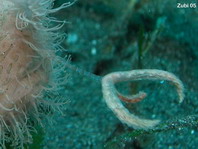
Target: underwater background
104, 36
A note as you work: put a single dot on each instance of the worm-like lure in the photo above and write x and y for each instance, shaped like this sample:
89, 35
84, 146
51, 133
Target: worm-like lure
113, 97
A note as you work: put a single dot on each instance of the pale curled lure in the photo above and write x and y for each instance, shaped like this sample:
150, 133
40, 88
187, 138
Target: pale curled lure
112, 96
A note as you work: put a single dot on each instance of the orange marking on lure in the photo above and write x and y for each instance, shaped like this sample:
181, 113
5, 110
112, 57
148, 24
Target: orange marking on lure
133, 99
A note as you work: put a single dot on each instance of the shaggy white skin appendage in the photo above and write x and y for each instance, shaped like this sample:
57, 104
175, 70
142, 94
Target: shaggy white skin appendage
113, 97
28, 66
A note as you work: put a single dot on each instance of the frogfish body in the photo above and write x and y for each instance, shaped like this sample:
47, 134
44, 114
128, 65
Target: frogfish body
28, 43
